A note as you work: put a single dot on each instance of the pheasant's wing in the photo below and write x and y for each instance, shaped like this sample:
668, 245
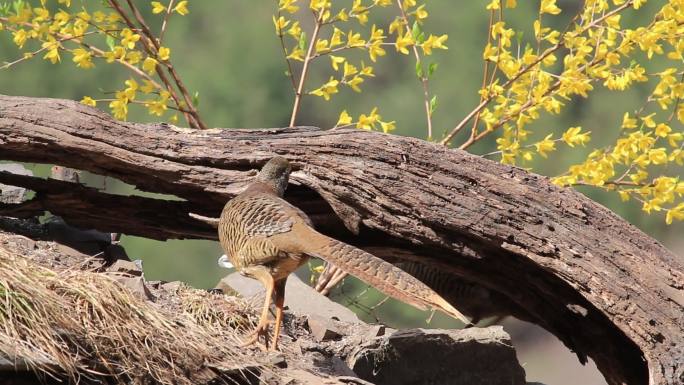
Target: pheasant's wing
256, 218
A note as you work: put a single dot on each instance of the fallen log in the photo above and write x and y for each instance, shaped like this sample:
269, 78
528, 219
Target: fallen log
606, 289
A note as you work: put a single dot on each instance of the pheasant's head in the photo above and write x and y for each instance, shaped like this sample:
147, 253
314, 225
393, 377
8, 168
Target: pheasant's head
275, 173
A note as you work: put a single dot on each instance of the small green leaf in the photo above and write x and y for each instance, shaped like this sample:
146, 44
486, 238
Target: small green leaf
18, 6
195, 99
302, 40
432, 68
4, 9
111, 42
433, 104
419, 70
416, 31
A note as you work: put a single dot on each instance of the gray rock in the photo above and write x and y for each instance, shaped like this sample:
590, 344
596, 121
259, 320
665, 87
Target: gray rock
13, 194
125, 267
299, 297
323, 329
417, 356
137, 286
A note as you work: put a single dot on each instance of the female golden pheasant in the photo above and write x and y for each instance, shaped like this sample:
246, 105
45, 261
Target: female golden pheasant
267, 238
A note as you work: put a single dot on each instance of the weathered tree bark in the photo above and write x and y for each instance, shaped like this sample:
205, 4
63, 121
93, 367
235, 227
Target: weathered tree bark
602, 286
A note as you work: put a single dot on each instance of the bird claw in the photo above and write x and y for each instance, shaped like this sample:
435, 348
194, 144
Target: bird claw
253, 337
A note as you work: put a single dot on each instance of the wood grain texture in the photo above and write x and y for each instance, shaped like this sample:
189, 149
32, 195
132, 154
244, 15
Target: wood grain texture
603, 287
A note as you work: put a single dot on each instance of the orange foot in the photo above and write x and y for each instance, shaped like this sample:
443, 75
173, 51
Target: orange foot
253, 337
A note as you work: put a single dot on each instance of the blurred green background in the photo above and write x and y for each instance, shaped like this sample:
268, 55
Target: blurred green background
228, 52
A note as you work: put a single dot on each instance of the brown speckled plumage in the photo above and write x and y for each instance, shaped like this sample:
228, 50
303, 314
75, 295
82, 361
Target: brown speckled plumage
267, 238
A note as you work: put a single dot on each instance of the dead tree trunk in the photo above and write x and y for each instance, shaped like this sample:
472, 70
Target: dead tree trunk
602, 286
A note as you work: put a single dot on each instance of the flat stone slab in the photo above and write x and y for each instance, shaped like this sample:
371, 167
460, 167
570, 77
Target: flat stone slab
300, 298
435, 356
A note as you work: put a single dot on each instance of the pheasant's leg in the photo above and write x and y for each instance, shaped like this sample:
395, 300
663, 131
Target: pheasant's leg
279, 298
264, 276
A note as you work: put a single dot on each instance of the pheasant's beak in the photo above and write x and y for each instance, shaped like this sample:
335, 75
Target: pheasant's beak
224, 262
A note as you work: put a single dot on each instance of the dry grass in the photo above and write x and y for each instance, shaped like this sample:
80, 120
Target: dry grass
85, 326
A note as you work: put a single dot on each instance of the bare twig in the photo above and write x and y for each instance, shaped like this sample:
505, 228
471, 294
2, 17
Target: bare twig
305, 68
423, 78
166, 19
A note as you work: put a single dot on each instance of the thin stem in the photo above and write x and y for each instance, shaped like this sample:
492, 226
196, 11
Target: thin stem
305, 69
485, 75
423, 79
166, 19
287, 61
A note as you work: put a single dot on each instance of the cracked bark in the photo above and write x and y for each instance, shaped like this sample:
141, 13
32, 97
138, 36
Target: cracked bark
606, 289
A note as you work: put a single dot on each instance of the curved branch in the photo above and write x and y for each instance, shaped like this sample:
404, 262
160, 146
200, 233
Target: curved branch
602, 286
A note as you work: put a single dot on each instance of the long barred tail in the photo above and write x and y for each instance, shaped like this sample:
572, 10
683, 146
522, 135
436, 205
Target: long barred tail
382, 275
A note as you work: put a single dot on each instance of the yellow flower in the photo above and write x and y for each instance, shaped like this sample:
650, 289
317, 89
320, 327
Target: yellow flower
349, 69
52, 54
133, 57
344, 119
158, 7
657, 156
336, 38
354, 40
549, 6
128, 38
354, 83
327, 89
82, 58
164, 53
336, 61
157, 107
319, 5
322, 45
675, 213
387, 126
572, 136
182, 8
546, 145
662, 130
62, 18
20, 37
421, 13
296, 54
376, 50
98, 16
368, 122
434, 42
119, 108
88, 101
628, 122
403, 42
648, 120
366, 70
288, 6
493, 5
396, 25
129, 92
295, 30
147, 86
149, 65
116, 53
280, 24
